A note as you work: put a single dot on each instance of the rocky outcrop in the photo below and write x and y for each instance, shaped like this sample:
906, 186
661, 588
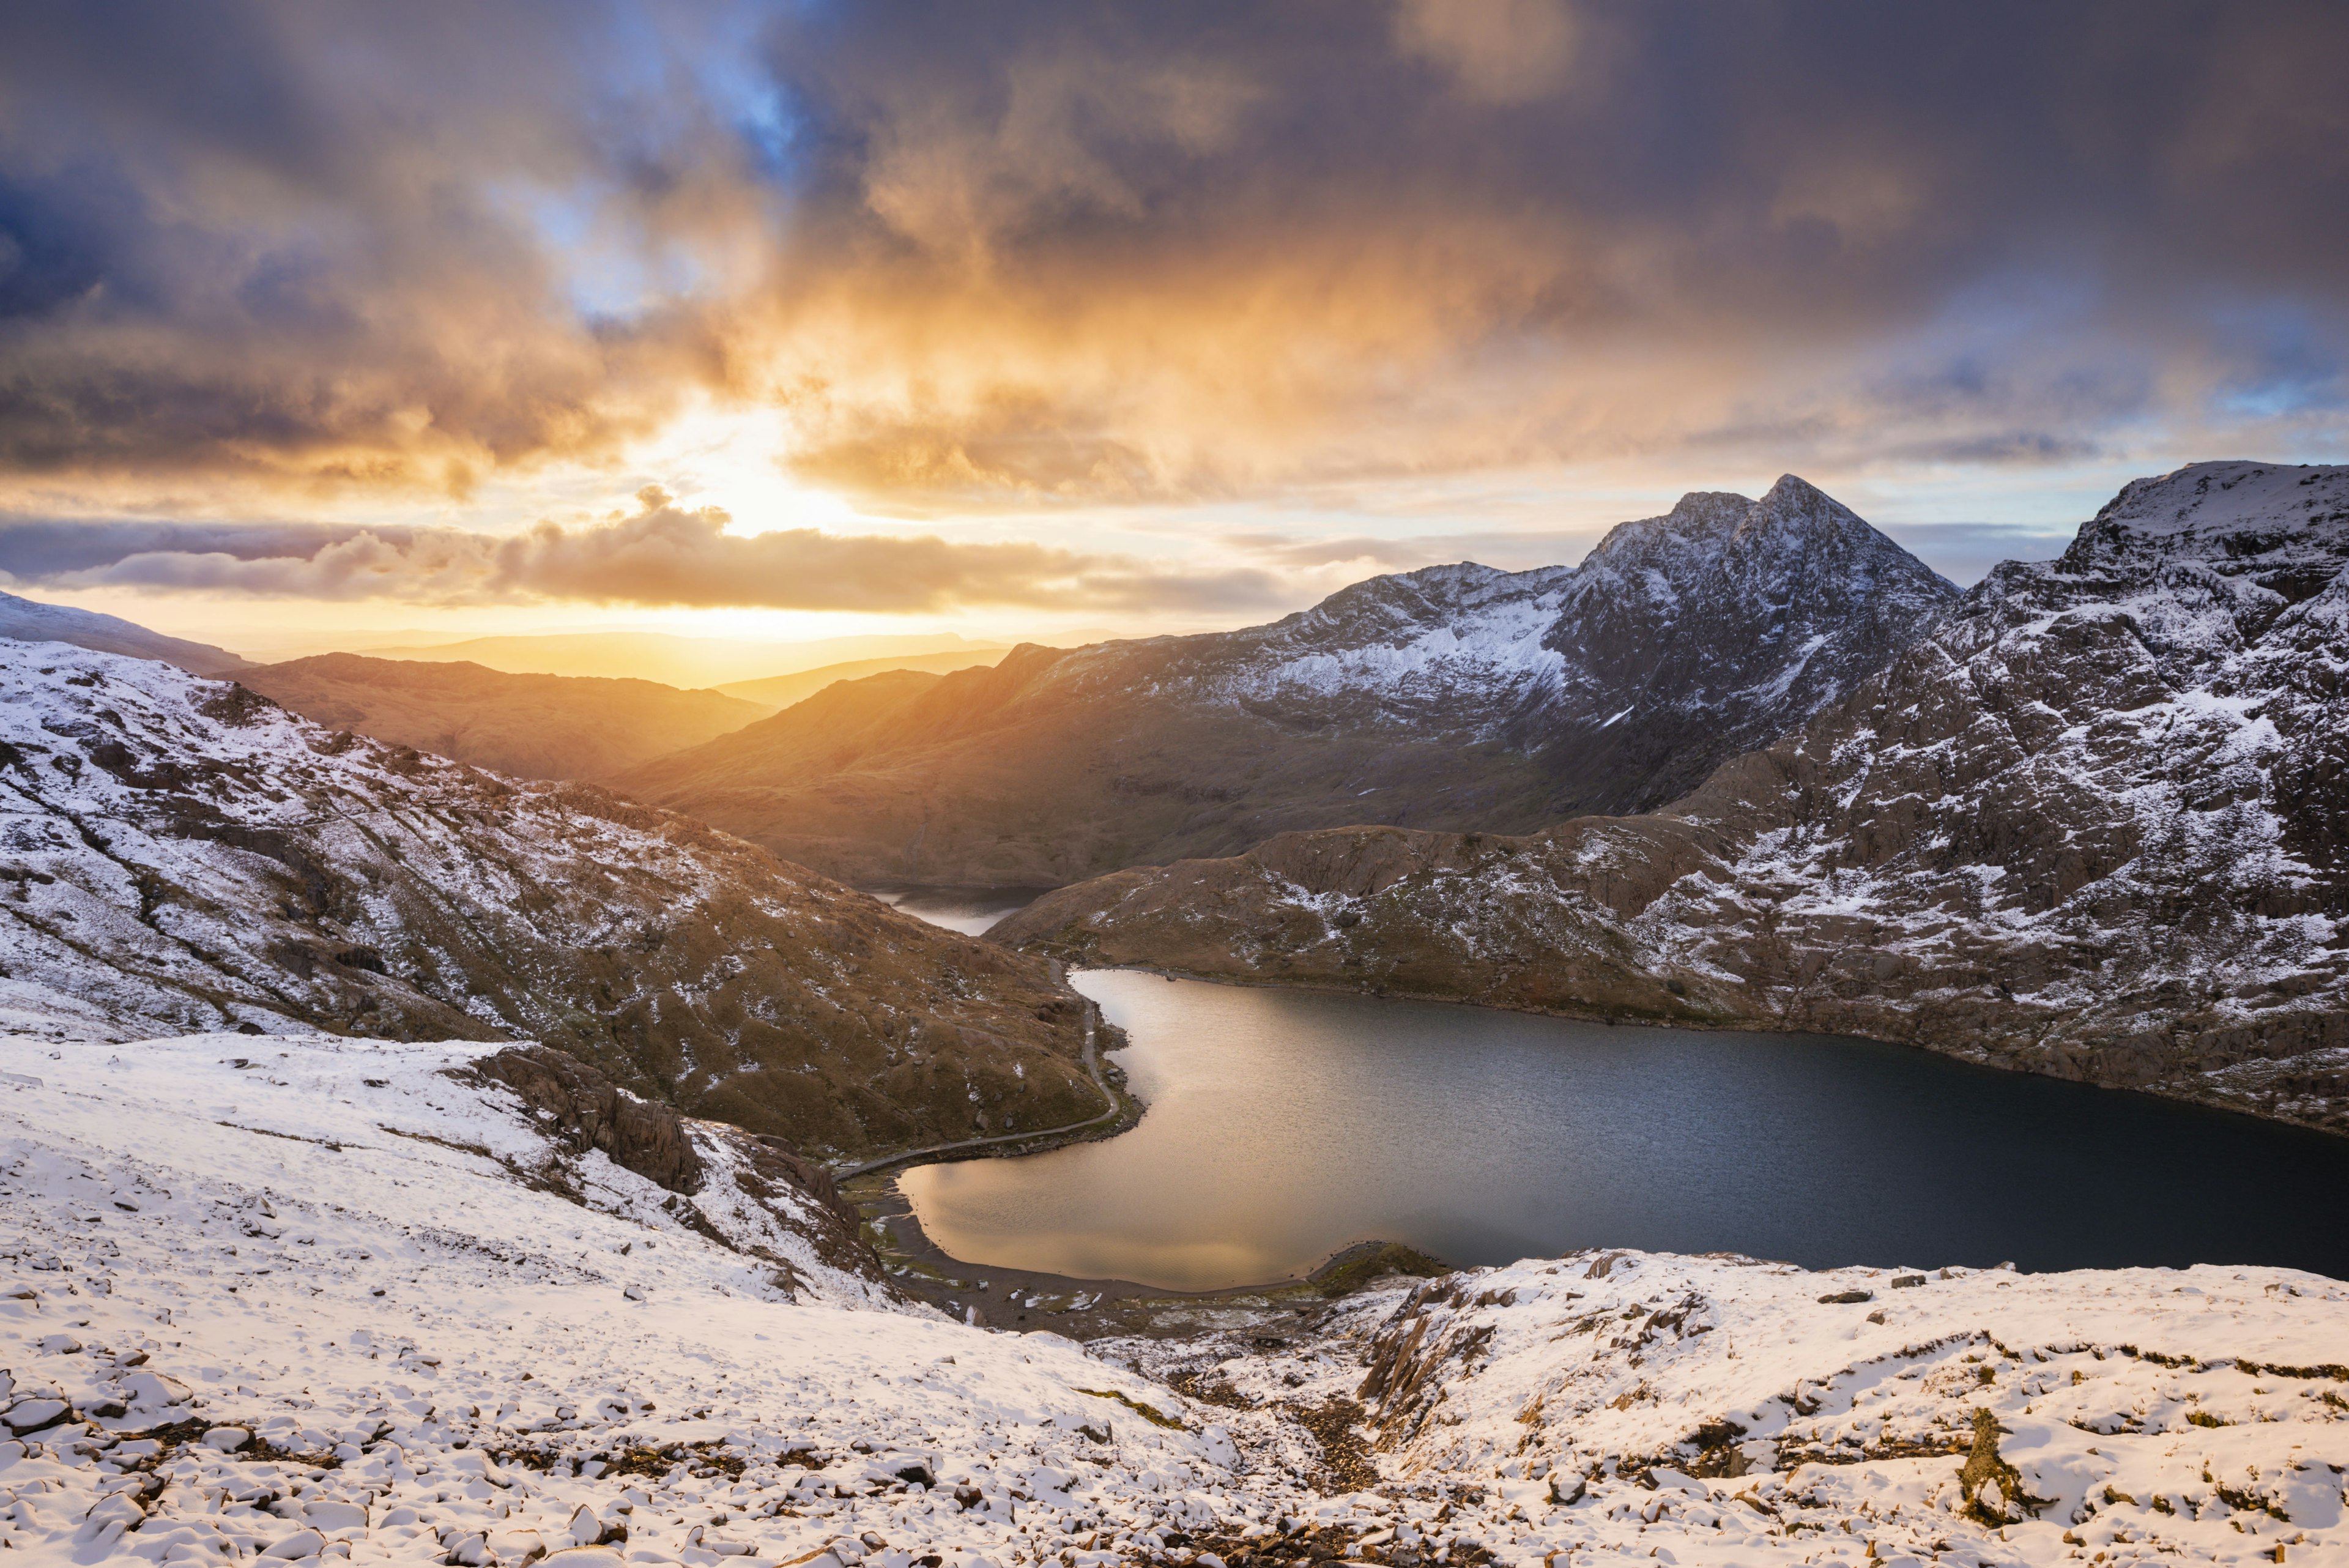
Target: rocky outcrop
180, 854
2091, 826
1458, 696
581, 1109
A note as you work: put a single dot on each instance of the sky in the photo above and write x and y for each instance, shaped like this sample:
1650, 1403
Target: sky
322, 320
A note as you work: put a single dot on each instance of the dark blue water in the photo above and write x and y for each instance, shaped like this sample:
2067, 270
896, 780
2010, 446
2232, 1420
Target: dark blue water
1284, 1124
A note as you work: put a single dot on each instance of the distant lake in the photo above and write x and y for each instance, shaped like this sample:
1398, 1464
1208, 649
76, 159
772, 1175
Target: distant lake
1283, 1125
970, 910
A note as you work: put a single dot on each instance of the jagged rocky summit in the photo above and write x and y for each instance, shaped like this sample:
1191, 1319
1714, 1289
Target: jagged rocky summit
2097, 825
179, 856
1456, 697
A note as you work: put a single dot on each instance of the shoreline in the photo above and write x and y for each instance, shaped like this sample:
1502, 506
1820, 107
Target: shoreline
1029, 1301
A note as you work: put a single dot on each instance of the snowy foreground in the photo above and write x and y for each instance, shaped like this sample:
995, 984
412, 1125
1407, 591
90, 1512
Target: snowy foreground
301, 1297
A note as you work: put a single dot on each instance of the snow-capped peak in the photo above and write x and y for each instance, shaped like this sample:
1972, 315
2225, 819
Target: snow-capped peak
2210, 498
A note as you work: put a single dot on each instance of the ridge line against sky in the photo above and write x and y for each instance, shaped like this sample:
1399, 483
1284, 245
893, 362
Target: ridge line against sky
825, 316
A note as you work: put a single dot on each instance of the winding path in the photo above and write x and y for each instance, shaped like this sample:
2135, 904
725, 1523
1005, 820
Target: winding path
1092, 1069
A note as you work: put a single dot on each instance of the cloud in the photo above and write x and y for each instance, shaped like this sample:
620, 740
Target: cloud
660, 554
1503, 51
1059, 252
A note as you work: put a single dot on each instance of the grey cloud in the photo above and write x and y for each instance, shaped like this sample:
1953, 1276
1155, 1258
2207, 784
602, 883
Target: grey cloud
660, 556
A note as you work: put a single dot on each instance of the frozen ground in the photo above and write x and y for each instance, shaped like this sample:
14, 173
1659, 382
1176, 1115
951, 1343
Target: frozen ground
334, 1301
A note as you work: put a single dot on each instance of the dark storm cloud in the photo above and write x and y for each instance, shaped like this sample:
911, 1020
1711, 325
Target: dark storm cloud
660, 554
1023, 253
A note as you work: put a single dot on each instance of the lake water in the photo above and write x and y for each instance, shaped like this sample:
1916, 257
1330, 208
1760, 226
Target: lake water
1283, 1125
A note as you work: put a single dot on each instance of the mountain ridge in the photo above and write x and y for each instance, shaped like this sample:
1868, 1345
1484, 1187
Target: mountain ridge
533, 726
30, 620
1451, 697
2093, 825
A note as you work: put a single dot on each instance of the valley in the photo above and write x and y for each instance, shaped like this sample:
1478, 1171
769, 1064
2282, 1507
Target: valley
1403, 784
412, 1158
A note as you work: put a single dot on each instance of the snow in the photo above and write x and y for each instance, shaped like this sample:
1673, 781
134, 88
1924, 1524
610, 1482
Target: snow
2230, 497
323, 1286
1788, 600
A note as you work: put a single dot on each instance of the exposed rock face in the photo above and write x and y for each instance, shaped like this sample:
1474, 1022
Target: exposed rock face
578, 1110
2092, 826
533, 726
178, 855
28, 620
585, 1110
1456, 697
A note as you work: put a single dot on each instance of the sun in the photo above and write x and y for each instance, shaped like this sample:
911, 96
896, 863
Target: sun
732, 458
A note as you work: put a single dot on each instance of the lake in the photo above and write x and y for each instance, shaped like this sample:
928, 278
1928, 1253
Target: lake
1284, 1124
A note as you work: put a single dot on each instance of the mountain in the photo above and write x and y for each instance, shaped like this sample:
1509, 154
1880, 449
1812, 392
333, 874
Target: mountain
776, 693
180, 854
692, 662
537, 726
27, 620
1456, 697
2097, 825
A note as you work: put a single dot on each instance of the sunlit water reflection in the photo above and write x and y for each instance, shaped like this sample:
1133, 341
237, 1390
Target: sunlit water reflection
1283, 1125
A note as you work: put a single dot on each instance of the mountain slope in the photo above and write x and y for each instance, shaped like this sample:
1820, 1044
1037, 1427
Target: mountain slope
535, 726
181, 855
27, 620
776, 693
2097, 825
1455, 696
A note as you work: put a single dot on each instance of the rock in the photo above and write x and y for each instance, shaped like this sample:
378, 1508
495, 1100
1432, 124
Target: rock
36, 1415
227, 1439
586, 1110
301, 1543
334, 1517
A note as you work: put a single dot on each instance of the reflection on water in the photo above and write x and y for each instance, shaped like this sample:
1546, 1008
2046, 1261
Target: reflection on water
970, 910
1283, 1125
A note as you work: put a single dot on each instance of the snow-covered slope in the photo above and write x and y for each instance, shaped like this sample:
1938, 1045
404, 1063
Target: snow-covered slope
179, 854
2095, 824
316, 1307
1456, 697
29, 620
1681, 640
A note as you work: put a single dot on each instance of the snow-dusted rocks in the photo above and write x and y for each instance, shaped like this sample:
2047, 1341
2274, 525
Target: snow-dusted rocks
178, 854
344, 1303
1719, 1411
1454, 697
2094, 826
